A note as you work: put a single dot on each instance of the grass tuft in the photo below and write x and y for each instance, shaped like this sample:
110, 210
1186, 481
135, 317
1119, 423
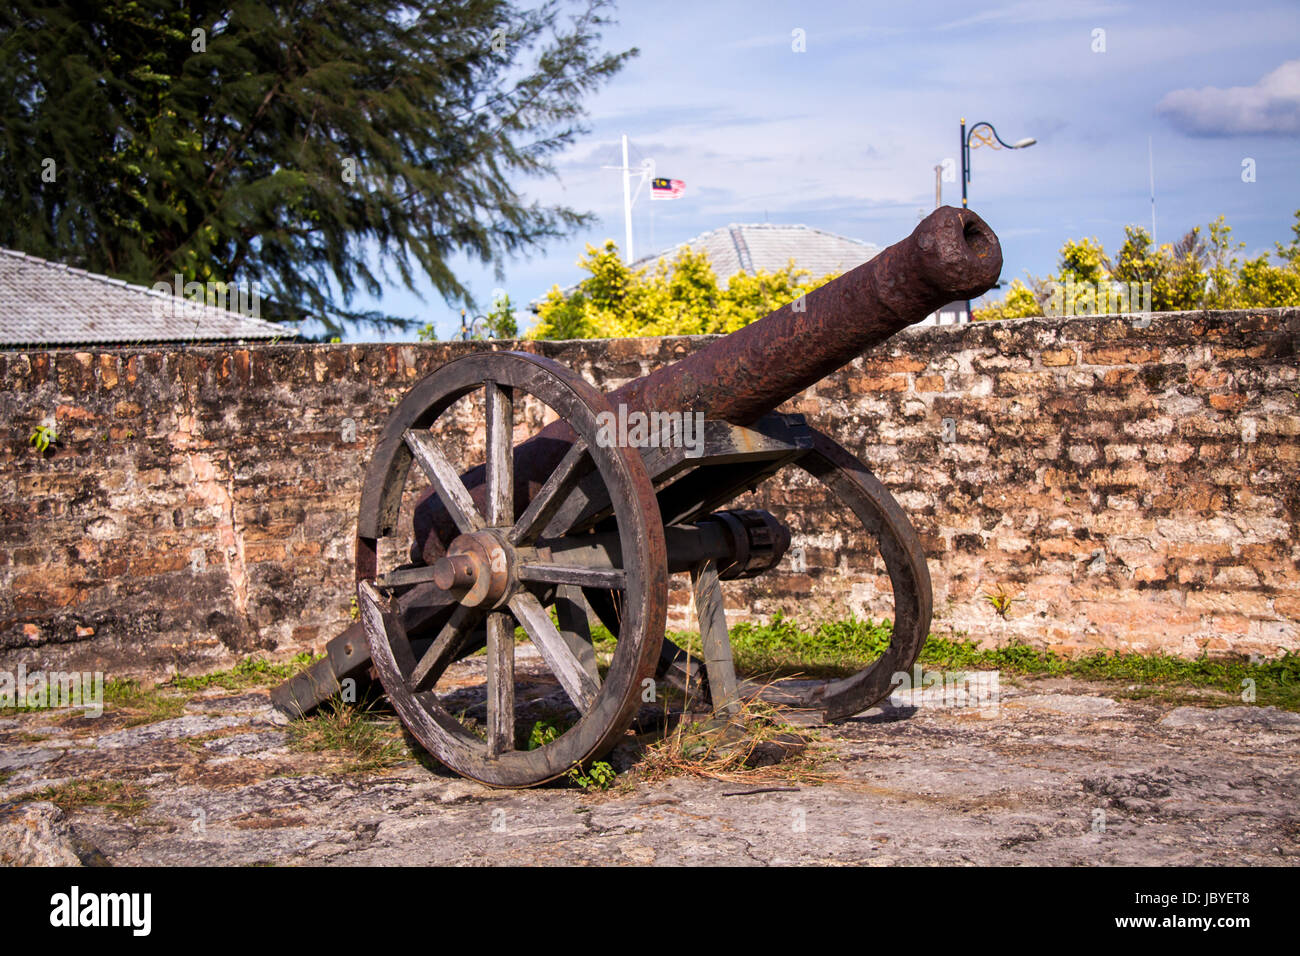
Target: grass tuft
142, 705
1276, 681
723, 749
124, 799
838, 648
250, 672
363, 738
782, 648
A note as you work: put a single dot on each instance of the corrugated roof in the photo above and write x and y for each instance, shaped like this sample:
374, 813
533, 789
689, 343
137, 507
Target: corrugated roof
768, 247
48, 303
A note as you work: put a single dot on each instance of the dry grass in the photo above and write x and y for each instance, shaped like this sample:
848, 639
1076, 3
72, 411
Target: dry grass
124, 799
724, 747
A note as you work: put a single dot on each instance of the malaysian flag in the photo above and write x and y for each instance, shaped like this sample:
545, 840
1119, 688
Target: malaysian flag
661, 188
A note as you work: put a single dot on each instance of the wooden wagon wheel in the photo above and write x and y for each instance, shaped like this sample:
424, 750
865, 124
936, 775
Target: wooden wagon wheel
896, 540
884, 521
497, 576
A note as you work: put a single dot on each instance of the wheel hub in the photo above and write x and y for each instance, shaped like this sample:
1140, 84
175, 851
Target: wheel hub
477, 569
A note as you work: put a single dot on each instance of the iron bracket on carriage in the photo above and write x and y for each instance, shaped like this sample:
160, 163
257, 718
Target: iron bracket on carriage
569, 527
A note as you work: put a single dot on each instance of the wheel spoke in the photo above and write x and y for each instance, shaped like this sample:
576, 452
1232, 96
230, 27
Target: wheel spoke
451, 490
571, 610
438, 656
377, 619
611, 578
566, 667
552, 494
500, 454
500, 684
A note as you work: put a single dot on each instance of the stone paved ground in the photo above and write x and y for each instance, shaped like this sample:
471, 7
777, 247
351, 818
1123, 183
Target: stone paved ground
1061, 775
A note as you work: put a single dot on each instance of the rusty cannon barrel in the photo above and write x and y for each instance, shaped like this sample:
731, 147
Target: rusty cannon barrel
951, 255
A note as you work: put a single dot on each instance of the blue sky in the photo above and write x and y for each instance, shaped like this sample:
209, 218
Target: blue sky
845, 135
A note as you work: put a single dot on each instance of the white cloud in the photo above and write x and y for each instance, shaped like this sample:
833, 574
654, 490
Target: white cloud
1036, 11
1271, 106
840, 34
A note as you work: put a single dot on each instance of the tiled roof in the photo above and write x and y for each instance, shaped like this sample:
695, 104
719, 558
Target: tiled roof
768, 247
46, 303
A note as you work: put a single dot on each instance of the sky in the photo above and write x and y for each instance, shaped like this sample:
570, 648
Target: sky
845, 134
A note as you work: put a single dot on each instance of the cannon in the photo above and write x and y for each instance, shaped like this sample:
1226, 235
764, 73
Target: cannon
589, 517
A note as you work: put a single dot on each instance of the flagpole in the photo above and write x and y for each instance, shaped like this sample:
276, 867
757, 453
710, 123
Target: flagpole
627, 201
1151, 168
651, 172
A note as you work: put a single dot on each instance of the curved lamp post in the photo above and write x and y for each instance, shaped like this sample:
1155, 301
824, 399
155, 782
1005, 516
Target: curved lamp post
991, 138
470, 328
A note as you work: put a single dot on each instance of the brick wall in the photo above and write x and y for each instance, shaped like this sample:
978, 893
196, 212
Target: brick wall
1128, 486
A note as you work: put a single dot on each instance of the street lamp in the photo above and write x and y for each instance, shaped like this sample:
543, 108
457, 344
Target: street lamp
471, 329
995, 141
990, 139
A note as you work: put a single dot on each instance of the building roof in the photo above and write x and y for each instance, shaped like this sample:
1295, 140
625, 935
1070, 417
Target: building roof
768, 247
47, 303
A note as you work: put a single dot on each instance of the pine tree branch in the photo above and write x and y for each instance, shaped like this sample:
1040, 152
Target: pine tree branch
244, 133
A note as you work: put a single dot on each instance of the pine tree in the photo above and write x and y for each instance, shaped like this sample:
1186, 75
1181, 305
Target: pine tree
309, 148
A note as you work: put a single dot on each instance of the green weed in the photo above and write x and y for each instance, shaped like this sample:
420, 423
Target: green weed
599, 776
839, 648
250, 672
365, 740
43, 437
142, 705
1000, 600
782, 648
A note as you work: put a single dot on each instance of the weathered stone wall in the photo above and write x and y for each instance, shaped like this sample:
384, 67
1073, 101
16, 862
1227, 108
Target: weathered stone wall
1132, 482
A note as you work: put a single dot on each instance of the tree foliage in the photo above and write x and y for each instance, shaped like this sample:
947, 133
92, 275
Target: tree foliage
501, 322
678, 297
304, 146
1019, 302
1198, 271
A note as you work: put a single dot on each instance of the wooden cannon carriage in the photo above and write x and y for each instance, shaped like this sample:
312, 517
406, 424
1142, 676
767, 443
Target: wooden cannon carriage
576, 521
